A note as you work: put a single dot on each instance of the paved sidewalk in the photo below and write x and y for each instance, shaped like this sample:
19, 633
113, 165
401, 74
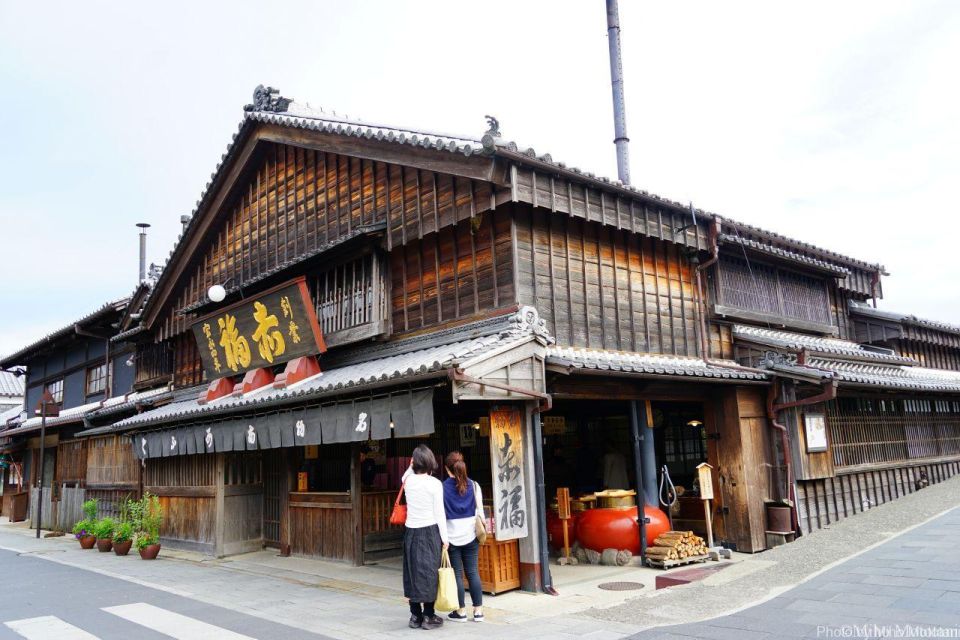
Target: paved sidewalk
907, 587
346, 602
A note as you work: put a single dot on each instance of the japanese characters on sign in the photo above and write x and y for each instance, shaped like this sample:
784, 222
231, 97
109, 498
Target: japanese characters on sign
506, 455
264, 330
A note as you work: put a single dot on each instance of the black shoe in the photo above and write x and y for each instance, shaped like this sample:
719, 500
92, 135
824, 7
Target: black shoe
415, 622
432, 622
457, 617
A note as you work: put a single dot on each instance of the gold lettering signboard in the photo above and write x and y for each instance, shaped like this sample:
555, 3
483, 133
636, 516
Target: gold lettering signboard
264, 330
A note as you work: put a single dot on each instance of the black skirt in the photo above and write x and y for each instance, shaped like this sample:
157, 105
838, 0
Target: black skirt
421, 562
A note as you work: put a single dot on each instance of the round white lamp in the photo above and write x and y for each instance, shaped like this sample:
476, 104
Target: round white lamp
216, 293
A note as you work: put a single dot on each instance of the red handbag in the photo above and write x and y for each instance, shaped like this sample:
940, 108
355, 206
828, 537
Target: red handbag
399, 514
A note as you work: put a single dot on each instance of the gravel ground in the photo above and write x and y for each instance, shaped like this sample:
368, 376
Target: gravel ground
770, 573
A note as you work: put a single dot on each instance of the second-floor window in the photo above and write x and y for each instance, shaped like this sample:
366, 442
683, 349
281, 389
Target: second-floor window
772, 291
56, 390
96, 379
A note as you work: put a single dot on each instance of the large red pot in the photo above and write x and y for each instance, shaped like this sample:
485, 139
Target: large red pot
617, 528
555, 529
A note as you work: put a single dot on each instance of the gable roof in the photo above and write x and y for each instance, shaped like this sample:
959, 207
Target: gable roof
270, 109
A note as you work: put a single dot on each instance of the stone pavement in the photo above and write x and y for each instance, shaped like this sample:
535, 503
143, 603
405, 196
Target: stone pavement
347, 602
907, 587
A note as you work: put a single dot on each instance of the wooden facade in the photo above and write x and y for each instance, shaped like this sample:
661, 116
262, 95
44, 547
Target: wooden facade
604, 288
400, 240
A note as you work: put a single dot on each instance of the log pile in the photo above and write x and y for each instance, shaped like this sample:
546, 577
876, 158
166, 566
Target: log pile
676, 545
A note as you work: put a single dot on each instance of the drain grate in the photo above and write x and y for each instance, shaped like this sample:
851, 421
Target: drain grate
621, 586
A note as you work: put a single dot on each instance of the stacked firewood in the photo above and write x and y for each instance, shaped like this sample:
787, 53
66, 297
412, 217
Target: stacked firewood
676, 545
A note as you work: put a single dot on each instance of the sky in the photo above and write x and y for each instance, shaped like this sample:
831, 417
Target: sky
831, 122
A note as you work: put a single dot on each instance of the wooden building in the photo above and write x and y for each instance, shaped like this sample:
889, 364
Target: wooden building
345, 291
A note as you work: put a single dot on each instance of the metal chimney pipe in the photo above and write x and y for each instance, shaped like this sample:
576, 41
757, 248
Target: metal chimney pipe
616, 79
143, 249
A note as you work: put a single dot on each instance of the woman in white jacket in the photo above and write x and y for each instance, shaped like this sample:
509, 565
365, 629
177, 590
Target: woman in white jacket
424, 538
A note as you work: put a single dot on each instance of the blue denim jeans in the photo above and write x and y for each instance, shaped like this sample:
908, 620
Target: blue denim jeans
464, 558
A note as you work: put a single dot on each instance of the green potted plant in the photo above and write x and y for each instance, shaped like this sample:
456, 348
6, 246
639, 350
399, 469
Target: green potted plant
83, 530
104, 532
147, 539
123, 538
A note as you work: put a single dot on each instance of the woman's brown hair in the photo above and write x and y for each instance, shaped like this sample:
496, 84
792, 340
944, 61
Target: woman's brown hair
458, 468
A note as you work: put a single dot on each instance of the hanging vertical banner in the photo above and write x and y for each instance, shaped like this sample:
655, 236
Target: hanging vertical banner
506, 455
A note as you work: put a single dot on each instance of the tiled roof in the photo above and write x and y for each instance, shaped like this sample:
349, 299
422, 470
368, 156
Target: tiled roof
303, 116
397, 368
894, 316
9, 414
803, 246
784, 254
10, 385
646, 364
130, 402
890, 376
67, 416
15, 358
817, 345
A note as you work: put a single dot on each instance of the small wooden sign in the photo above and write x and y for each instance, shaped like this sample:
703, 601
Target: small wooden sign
563, 503
506, 459
264, 330
302, 482
311, 452
554, 425
815, 432
705, 478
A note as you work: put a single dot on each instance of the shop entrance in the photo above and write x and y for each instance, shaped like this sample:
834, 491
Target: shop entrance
588, 448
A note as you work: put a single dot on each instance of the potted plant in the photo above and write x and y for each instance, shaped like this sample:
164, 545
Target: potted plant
123, 538
150, 514
104, 532
83, 530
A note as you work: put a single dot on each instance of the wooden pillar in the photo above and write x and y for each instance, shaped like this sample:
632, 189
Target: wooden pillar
356, 502
286, 482
219, 504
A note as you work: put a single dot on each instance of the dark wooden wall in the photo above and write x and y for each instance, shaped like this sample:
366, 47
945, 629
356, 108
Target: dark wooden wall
295, 201
459, 272
113, 472
821, 503
600, 287
186, 486
935, 356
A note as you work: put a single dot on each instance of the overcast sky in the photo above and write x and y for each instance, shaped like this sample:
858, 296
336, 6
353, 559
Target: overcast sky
832, 122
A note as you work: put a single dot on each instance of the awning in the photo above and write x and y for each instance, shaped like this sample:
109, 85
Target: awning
357, 420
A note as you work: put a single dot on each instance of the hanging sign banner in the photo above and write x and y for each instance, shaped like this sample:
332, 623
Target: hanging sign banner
264, 330
509, 491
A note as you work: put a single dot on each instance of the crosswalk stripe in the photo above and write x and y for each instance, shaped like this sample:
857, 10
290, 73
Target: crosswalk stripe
172, 624
48, 628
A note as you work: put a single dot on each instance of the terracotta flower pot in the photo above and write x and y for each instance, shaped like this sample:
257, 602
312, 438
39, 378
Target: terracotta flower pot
150, 552
104, 545
122, 548
87, 542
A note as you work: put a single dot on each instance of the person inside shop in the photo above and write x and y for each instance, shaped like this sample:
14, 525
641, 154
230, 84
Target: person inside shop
368, 466
424, 538
462, 500
614, 468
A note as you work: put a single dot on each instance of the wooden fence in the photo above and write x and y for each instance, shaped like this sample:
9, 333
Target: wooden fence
823, 502
58, 515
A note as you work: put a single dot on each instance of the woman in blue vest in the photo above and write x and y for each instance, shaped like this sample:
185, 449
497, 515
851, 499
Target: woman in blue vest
461, 501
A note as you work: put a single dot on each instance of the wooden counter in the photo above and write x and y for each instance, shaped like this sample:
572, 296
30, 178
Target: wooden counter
499, 565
